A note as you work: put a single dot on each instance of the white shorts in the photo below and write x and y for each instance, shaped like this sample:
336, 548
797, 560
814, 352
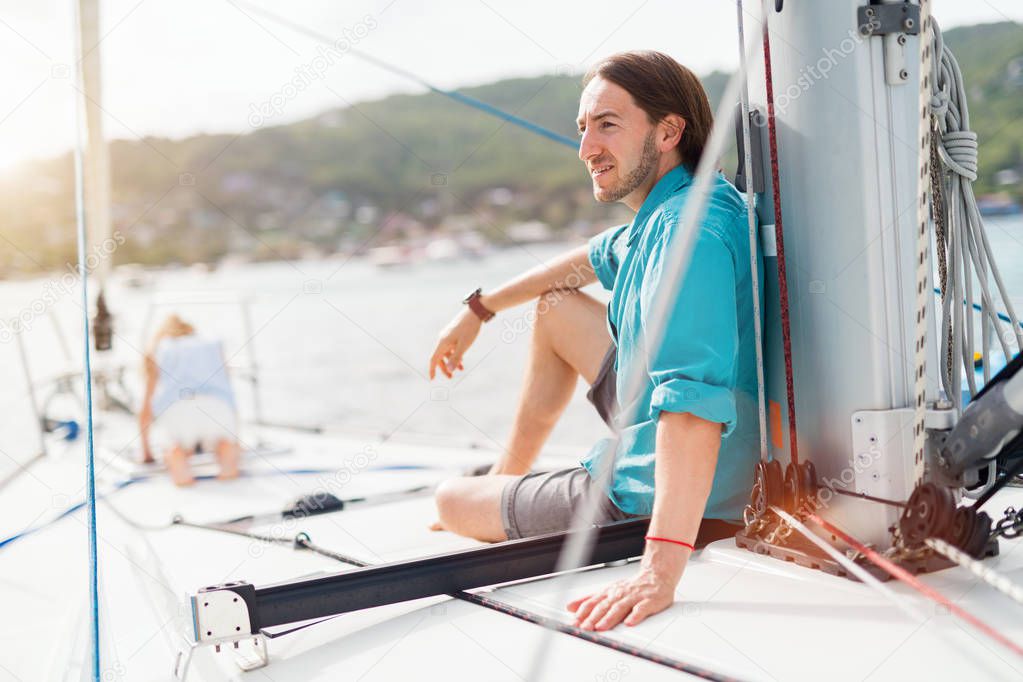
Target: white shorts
201, 420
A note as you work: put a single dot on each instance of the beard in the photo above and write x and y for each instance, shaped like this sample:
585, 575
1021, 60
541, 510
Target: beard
634, 178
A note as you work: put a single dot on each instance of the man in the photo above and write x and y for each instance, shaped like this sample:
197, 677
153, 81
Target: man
688, 453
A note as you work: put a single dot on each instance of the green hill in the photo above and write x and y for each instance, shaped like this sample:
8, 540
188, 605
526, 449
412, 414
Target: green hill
403, 165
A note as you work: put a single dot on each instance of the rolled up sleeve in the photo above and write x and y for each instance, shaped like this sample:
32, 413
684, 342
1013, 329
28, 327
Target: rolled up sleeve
602, 255
694, 369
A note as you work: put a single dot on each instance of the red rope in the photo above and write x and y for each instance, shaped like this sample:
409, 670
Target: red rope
783, 284
905, 576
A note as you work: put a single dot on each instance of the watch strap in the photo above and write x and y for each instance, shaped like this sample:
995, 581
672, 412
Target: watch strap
481, 311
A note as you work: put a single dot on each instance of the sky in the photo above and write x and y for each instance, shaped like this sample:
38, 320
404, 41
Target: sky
174, 68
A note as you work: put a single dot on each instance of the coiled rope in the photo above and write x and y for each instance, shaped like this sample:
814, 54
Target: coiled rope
963, 246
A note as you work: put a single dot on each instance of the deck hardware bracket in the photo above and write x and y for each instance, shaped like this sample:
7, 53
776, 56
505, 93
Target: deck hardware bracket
223, 614
893, 18
893, 22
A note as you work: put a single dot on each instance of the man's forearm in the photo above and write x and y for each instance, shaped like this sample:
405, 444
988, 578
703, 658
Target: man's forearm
686, 456
571, 270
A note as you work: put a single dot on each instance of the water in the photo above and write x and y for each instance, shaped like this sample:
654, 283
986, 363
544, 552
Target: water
339, 343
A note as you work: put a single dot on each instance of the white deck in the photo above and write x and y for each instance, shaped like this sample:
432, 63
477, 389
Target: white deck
738, 613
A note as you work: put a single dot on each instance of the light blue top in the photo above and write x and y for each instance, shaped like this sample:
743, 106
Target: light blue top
706, 364
190, 366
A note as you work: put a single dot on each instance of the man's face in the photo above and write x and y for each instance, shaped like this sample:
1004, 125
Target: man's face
617, 145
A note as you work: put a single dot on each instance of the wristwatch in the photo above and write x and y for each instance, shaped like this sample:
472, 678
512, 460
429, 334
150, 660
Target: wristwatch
473, 301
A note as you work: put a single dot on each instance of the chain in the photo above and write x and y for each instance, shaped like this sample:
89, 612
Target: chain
1010, 526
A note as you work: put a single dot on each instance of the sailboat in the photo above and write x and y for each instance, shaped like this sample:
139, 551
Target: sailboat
875, 544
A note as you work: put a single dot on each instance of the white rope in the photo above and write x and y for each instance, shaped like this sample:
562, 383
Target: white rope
848, 564
969, 250
977, 568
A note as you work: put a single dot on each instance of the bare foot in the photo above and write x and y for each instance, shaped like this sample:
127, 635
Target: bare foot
180, 472
228, 456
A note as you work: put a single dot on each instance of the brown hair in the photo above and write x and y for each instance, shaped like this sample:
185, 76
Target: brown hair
661, 86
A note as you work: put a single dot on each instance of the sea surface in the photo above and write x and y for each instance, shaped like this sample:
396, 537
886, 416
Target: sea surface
338, 343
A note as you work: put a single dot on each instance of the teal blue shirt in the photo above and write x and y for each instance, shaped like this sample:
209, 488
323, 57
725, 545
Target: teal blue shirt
706, 364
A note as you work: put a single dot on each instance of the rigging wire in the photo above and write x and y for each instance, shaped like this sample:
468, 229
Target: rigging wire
83, 273
908, 578
451, 94
754, 237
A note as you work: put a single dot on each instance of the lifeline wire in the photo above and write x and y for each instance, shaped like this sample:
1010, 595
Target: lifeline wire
83, 273
676, 263
124, 483
905, 576
451, 94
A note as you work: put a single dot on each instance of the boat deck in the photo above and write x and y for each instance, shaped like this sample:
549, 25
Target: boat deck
737, 614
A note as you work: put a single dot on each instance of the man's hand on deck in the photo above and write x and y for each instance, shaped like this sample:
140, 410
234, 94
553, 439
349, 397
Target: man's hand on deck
631, 600
453, 341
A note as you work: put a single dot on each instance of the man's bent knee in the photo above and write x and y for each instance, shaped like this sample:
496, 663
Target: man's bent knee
471, 506
555, 304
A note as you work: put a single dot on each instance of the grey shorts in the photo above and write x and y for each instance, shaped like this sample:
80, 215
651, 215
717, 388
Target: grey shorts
604, 393
544, 502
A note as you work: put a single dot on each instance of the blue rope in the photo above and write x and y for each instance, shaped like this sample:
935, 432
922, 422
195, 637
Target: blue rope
511, 118
456, 96
90, 469
976, 306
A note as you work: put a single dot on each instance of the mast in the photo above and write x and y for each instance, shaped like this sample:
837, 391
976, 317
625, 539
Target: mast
97, 165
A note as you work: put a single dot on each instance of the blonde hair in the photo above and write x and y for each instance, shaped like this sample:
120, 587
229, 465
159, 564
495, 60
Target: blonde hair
173, 326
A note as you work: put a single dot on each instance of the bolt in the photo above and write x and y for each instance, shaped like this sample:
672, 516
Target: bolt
908, 23
902, 39
903, 74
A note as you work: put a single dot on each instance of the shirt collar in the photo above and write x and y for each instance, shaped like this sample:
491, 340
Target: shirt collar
674, 180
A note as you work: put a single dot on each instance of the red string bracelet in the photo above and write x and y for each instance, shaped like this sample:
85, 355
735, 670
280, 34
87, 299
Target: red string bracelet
674, 542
